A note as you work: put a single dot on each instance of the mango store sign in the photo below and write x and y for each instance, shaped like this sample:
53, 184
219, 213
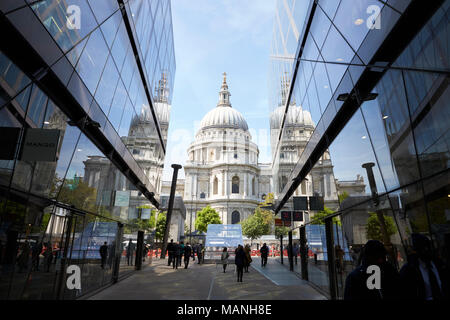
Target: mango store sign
40, 145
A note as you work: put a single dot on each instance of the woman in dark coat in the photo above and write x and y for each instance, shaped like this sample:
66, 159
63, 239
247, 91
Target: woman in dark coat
240, 260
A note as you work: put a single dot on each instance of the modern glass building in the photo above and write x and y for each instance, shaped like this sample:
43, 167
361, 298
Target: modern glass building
85, 94
374, 76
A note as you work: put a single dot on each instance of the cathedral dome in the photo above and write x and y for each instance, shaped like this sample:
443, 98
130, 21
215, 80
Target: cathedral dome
224, 116
296, 116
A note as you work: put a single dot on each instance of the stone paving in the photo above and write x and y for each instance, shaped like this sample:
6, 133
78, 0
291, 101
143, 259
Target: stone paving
208, 282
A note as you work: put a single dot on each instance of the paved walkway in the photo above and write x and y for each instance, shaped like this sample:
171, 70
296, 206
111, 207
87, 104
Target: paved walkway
208, 282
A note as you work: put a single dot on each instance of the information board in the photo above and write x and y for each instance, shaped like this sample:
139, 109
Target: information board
224, 235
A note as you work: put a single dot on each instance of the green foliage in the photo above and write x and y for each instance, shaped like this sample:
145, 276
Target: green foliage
205, 217
267, 215
160, 226
254, 226
152, 220
373, 227
281, 231
319, 217
343, 196
79, 194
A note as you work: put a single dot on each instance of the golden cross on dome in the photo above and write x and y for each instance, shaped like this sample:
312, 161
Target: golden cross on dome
224, 77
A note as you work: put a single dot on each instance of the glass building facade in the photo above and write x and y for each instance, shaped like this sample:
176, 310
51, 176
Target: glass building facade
374, 76
85, 95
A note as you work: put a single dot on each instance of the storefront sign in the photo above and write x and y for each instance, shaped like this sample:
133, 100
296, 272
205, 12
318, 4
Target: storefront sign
40, 145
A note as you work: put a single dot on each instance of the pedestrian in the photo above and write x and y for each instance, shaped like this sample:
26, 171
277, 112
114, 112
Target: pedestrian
48, 256
248, 258
144, 252
35, 253
24, 255
240, 261
181, 253
194, 250
170, 248
199, 253
374, 253
104, 254
224, 258
339, 256
264, 251
130, 253
176, 255
187, 254
424, 277
112, 252
295, 253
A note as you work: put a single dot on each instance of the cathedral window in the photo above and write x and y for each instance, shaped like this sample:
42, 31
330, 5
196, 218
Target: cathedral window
235, 217
202, 195
235, 184
216, 185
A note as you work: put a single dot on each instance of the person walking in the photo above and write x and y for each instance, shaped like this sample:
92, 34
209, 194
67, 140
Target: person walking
264, 252
239, 261
169, 249
339, 256
295, 253
187, 254
181, 253
24, 256
194, 251
374, 253
199, 253
35, 253
48, 256
224, 258
424, 276
248, 258
176, 255
130, 253
103, 254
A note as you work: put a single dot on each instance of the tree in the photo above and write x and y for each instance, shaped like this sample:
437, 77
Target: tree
267, 215
344, 195
373, 227
281, 231
205, 217
254, 226
160, 226
319, 217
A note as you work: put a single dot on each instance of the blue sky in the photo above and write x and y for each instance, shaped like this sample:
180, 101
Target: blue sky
212, 37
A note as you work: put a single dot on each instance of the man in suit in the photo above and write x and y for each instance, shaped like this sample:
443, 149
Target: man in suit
424, 277
170, 249
356, 288
187, 255
104, 254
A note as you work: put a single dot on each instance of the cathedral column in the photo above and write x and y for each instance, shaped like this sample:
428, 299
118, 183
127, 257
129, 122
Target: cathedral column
245, 184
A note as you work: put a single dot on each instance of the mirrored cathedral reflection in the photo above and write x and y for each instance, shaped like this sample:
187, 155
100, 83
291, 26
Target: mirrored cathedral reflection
144, 144
223, 171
